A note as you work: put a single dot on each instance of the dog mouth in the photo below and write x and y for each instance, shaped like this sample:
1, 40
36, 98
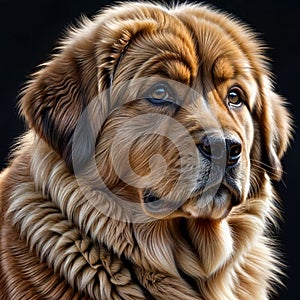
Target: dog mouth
211, 202
157, 205
217, 191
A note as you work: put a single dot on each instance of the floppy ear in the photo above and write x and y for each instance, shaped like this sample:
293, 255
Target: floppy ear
53, 101
275, 122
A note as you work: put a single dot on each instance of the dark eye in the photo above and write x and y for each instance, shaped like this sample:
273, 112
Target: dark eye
160, 94
235, 97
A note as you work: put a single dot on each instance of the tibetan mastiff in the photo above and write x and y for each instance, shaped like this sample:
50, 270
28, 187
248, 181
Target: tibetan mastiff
154, 135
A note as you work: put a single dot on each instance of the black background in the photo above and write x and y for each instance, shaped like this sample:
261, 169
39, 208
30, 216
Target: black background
29, 31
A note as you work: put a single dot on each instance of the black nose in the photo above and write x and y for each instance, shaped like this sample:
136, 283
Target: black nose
219, 149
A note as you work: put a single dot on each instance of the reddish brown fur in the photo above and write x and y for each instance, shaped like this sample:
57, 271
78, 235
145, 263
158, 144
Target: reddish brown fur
63, 236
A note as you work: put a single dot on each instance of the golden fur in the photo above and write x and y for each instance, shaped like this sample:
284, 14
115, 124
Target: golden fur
66, 234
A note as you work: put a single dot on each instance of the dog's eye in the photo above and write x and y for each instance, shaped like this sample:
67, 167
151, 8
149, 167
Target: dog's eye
160, 94
235, 97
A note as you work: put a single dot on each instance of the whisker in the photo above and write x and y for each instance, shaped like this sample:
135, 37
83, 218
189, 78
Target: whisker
259, 164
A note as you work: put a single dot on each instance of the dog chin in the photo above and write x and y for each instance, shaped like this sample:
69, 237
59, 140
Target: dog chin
214, 203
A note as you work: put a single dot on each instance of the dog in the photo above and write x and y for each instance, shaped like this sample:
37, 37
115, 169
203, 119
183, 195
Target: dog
154, 136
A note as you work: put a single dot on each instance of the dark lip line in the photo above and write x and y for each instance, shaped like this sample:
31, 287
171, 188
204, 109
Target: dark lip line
212, 189
149, 193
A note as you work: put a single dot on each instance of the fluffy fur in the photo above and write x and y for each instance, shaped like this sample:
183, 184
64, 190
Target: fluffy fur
67, 235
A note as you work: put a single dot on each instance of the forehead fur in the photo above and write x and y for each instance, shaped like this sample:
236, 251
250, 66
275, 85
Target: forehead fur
201, 36
198, 34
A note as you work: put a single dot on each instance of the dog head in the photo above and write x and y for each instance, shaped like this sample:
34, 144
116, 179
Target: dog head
174, 108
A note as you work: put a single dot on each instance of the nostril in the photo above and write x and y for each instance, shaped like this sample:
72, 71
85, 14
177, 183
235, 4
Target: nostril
234, 152
204, 147
213, 148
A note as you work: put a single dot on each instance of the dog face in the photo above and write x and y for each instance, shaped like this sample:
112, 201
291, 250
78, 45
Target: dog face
186, 151
173, 109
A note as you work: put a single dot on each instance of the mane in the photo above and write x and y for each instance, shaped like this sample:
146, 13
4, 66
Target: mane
95, 252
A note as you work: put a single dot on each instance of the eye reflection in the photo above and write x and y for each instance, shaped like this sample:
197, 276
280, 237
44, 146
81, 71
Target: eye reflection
161, 94
235, 97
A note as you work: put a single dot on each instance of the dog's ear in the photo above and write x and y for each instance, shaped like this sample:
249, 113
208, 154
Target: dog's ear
55, 97
54, 100
275, 126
